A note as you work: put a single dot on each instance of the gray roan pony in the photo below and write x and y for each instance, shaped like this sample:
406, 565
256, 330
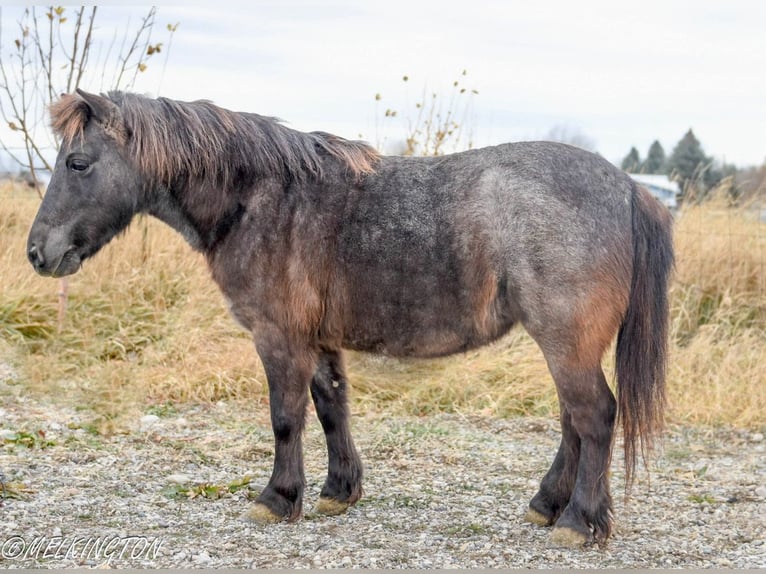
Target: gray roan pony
320, 244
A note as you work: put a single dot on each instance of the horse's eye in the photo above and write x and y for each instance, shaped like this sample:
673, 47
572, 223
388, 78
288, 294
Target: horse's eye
78, 164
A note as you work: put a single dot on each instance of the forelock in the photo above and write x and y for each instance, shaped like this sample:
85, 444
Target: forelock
69, 116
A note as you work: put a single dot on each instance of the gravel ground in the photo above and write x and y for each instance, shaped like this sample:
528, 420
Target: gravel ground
441, 492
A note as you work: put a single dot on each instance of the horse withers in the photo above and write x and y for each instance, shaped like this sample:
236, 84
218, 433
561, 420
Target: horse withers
320, 244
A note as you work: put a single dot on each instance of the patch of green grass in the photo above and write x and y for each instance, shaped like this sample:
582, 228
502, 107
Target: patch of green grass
467, 530
14, 490
701, 499
34, 439
412, 430
678, 454
407, 501
700, 472
91, 428
205, 490
25, 319
163, 410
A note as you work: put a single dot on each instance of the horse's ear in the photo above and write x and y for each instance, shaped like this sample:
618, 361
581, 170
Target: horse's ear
101, 109
105, 112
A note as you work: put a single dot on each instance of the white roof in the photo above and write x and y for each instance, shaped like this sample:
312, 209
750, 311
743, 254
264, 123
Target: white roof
656, 180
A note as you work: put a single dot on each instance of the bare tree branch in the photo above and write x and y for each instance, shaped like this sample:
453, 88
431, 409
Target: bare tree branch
147, 22
75, 47
86, 48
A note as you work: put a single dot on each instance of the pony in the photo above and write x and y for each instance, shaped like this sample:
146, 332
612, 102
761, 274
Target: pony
322, 244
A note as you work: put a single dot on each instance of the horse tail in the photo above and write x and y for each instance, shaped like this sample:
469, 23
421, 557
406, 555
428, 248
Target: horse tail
641, 355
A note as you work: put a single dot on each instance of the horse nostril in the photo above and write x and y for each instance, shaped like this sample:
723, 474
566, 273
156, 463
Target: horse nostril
35, 257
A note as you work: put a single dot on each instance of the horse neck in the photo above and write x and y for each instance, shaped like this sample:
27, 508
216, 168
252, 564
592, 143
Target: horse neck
201, 214
166, 207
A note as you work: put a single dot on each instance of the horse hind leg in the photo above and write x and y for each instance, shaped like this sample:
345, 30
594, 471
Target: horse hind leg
592, 409
574, 495
557, 484
329, 391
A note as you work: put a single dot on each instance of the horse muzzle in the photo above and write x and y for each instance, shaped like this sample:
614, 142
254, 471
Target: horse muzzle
53, 256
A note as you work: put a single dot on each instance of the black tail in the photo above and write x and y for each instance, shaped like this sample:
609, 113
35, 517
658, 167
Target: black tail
642, 341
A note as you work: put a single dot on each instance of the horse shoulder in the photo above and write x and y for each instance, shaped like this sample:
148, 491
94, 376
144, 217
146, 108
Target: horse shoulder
278, 265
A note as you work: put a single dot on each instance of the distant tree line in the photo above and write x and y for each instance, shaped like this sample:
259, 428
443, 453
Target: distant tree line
695, 171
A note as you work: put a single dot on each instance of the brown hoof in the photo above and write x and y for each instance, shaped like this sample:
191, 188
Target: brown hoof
563, 536
536, 518
330, 506
262, 514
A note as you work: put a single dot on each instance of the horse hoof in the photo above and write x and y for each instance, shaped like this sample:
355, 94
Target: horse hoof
262, 514
569, 537
537, 518
330, 506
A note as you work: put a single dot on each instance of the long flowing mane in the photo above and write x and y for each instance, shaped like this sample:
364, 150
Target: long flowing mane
200, 141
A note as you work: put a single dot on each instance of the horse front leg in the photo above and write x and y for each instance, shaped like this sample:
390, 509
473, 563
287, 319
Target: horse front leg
289, 367
329, 391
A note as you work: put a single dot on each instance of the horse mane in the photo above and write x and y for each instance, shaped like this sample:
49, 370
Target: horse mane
200, 141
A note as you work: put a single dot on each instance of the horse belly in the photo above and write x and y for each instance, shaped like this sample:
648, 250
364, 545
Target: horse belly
425, 317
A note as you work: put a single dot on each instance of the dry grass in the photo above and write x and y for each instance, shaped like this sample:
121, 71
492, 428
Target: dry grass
146, 325
718, 352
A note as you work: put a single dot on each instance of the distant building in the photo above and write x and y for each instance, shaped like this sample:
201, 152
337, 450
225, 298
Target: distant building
661, 187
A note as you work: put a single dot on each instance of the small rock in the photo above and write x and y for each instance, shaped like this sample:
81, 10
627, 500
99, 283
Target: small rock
7, 434
202, 558
148, 421
760, 492
179, 479
756, 437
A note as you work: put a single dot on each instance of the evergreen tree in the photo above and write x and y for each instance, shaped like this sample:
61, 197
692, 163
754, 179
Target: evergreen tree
655, 160
691, 167
632, 161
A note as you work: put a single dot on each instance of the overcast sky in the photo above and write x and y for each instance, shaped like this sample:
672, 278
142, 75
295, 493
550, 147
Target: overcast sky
618, 73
